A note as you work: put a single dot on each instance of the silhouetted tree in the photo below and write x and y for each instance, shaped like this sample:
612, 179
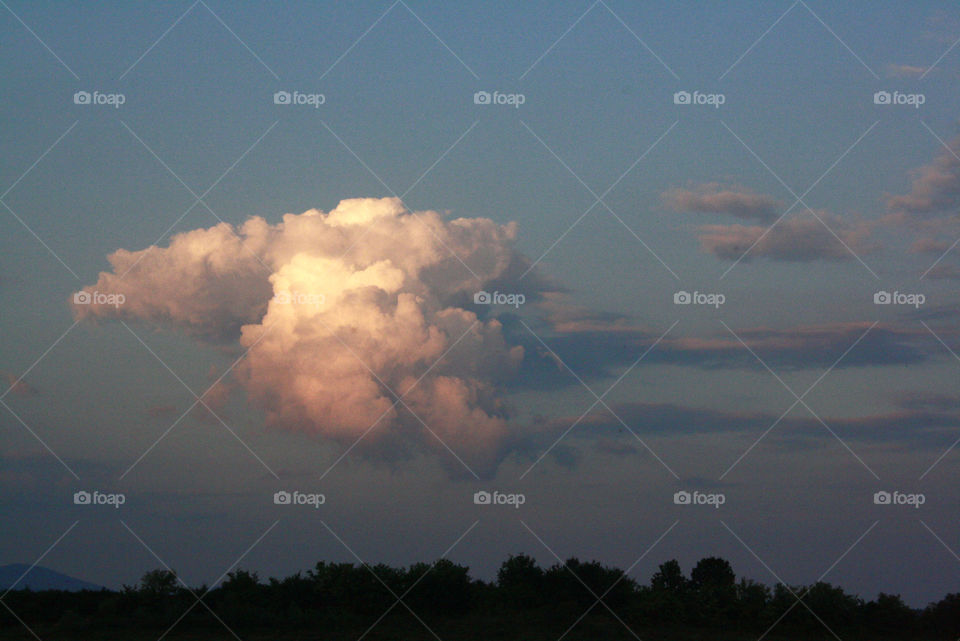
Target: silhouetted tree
520, 581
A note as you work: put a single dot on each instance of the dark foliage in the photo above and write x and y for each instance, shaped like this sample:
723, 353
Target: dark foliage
575, 599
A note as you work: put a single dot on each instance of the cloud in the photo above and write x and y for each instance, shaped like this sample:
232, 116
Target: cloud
905, 71
16, 386
717, 198
935, 187
916, 418
797, 239
944, 272
338, 312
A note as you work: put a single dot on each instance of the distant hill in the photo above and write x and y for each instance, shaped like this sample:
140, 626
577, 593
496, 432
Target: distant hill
40, 578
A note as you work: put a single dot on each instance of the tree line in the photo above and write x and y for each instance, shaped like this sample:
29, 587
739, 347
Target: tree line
570, 600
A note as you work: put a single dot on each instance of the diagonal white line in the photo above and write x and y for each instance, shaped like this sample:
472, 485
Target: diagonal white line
942, 56
842, 242
40, 240
40, 440
357, 41
427, 27
557, 41
162, 36
197, 401
42, 356
200, 398
367, 229
839, 39
381, 581
954, 154
199, 199
40, 40
417, 582
41, 157
954, 444
640, 40
437, 161
597, 202
760, 438
559, 159
22, 622
821, 577
798, 199
840, 440
757, 41
239, 160
37, 562
801, 397
198, 599
645, 245
785, 585
159, 159
393, 193
599, 398
581, 581
399, 397
937, 537
599, 199
619, 578
239, 39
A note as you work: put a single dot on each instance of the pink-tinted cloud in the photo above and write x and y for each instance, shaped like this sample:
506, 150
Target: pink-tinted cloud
16, 386
905, 71
935, 187
718, 198
798, 238
338, 312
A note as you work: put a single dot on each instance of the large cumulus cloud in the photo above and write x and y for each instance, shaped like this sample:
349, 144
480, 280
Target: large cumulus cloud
340, 314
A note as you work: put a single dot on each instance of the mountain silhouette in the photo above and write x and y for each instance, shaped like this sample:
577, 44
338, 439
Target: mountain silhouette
40, 578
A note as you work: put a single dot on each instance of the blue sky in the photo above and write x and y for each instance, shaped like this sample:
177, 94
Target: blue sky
199, 140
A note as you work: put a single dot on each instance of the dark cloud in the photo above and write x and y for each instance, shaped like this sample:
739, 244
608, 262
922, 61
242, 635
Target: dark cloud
721, 199
796, 239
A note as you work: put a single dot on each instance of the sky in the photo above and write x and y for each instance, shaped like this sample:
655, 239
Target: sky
665, 280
